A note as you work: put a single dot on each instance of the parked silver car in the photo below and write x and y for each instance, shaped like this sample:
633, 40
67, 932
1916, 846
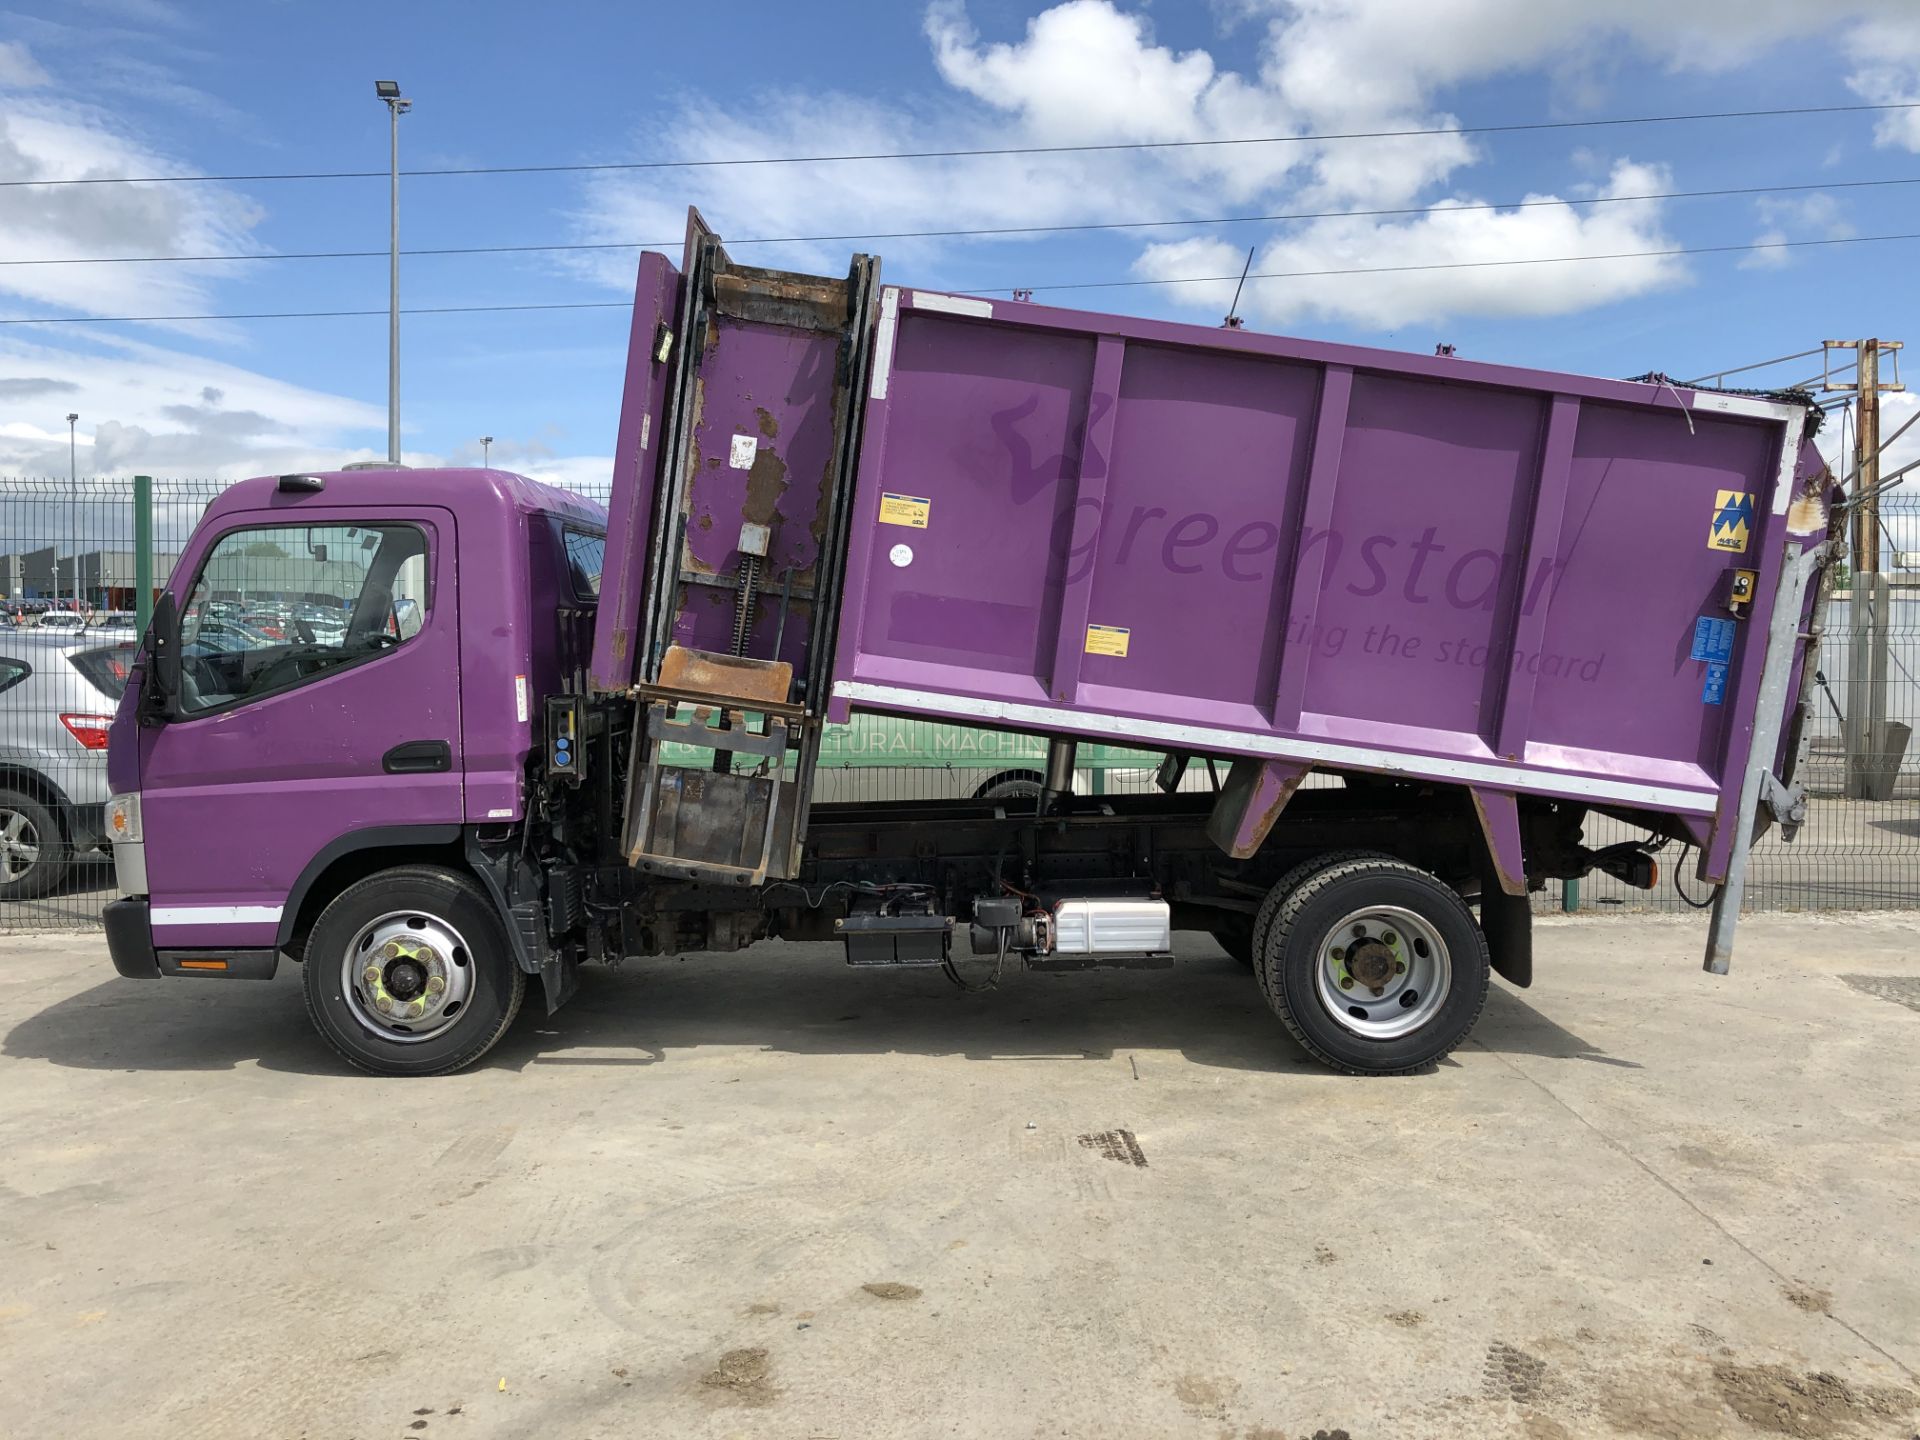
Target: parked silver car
57, 695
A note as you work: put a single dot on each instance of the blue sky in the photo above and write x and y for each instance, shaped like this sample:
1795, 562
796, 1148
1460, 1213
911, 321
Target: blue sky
109, 87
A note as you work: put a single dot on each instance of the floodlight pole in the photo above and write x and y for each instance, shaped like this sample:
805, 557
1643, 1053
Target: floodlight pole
397, 105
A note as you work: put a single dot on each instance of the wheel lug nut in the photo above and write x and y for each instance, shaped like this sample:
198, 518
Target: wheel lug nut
384, 1005
1340, 953
1388, 937
391, 950
1378, 990
1346, 982
371, 975
419, 1008
1359, 932
1399, 967
436, 984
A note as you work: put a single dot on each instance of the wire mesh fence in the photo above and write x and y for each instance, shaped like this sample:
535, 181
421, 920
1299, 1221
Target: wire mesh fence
68, 597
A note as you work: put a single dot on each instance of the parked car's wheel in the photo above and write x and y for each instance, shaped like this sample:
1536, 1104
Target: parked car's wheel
1375, 966
34, 854
410, 972
1016, 785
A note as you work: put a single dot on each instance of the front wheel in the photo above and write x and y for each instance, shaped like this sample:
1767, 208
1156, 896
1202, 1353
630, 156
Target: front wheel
1375, 966
409, 972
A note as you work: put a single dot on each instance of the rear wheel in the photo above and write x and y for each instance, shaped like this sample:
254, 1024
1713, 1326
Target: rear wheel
409, 972
34, 855
1264, 918
1375, 966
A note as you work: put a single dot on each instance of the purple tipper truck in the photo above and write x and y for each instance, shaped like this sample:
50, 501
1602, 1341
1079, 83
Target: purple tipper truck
1416, 618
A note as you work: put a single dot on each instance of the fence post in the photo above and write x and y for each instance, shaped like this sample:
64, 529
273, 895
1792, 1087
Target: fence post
142, 551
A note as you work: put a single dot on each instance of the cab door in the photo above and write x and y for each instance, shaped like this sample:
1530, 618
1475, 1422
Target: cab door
320, 700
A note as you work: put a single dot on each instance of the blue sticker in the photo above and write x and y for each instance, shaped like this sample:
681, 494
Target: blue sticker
1715, 690
1712, 640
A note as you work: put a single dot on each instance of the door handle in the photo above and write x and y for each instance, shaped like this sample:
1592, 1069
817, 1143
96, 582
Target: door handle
418, 757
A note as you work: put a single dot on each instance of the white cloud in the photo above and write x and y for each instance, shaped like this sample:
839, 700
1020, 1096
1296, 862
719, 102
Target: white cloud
45, 140
1818, 216
1447, 234
1090, 72
18, 69
149, 409
1887, 56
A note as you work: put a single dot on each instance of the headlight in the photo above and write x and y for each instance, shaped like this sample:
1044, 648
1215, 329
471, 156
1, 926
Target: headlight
123, 817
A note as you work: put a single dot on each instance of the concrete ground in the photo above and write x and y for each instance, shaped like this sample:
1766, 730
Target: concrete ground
763, 1195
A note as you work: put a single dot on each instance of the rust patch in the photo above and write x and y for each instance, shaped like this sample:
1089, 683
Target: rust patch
705, 522
699, 672
769, 426
1253, 834
1511, 884
766, 483
780, 297
1807, 516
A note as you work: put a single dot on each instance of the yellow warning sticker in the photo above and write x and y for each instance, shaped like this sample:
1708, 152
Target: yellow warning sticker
1107, 640
1732, 521
908, 510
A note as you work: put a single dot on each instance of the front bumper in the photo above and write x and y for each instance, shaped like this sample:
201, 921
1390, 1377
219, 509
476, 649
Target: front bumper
129, 925
130, 939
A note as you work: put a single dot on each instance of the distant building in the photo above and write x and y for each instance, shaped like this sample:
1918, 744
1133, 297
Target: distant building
107, 576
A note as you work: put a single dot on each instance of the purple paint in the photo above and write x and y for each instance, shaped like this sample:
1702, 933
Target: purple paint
1434, 561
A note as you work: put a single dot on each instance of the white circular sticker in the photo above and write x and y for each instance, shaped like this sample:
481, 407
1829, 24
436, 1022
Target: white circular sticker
901, 555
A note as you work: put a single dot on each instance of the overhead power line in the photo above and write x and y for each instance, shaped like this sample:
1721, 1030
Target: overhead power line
984, 231
994, 290
1324, 137
1454, 264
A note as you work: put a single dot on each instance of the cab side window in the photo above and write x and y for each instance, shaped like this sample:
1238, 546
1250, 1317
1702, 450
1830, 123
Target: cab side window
275, 606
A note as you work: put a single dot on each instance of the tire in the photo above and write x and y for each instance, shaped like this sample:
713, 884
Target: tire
1285, 886
34, 853
1417, 937
1235, 936
426, 923
1011, 785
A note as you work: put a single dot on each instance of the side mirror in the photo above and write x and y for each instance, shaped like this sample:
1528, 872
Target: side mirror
163, 651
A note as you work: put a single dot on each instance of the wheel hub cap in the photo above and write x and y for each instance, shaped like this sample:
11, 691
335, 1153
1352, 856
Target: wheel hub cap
1383, 972
408, 977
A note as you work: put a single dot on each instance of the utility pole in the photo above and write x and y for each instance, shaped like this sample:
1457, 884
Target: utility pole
1873, 747
397, 105
486, 452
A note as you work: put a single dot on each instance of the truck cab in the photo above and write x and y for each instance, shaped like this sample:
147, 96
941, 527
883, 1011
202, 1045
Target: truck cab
380, 707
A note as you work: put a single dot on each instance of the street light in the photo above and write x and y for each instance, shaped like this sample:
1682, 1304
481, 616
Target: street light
389, 92
486, 452
73, 485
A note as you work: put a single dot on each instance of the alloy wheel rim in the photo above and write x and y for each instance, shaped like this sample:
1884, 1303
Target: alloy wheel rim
19, 845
